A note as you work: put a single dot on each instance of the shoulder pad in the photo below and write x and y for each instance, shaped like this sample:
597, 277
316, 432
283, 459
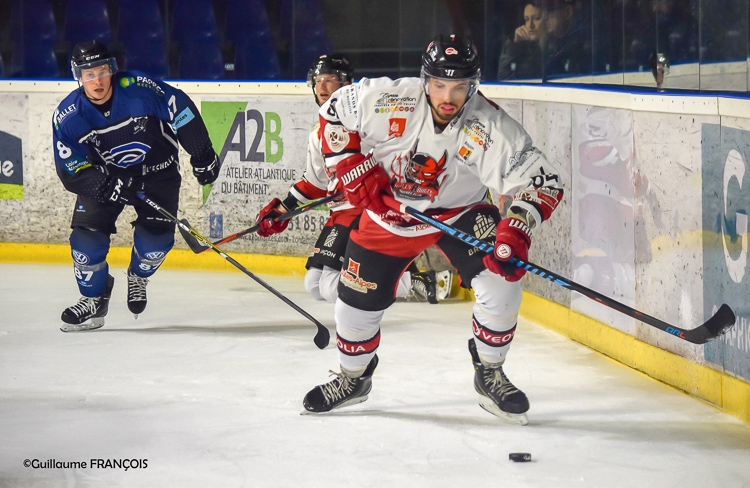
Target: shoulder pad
69, 106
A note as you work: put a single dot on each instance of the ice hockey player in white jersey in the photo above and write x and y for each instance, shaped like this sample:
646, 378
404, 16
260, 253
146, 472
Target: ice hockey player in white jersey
326, 75
438, 145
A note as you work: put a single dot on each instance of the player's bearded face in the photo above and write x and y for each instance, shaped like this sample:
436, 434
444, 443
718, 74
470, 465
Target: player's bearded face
97, 83
447, 97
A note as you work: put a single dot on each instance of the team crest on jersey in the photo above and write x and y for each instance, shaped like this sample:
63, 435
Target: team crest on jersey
126, 154
337, 137
418, 175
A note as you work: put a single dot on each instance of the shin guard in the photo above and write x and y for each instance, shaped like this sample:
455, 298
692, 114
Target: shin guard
89, 250
150, 248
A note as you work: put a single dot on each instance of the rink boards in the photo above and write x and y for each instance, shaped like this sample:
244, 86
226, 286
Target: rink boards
655, 215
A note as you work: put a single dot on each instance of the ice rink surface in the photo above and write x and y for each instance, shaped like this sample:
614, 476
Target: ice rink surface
206, 389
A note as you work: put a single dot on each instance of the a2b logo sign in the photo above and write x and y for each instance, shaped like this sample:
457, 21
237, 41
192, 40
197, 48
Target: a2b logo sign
241, 131
7, 168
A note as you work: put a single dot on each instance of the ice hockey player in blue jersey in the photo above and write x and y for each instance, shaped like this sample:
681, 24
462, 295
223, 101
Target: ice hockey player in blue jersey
113, 137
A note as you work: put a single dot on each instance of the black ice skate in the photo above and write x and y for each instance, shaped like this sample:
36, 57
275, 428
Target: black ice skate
136, 293
431, 286
497, 394
423, 286
341, 391
88, 313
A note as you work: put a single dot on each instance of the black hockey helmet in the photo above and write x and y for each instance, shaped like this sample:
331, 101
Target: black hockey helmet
451, 58
333, 64
90, 54
329, 64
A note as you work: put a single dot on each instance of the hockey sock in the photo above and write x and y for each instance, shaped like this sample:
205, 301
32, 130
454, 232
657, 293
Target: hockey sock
357, 335
329, 284
150, 247
403, 289
312, 283
495, 314
89, 250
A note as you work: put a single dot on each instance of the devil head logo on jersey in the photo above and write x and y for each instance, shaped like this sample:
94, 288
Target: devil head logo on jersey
418, 175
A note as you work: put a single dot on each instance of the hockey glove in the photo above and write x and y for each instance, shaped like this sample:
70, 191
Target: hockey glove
268, 226
123, 189
512, 241
363, 180
206, 171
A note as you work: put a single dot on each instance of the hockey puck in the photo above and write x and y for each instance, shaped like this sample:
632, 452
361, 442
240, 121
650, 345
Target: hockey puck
520, 457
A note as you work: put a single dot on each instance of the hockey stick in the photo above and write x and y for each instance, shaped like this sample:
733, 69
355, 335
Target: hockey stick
322, 337
716, 325
198, 248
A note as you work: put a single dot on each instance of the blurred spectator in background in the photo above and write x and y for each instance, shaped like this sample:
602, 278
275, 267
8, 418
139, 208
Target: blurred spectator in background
569, 39
522, 56
555, 40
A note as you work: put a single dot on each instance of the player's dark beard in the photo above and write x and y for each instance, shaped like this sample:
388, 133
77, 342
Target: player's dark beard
442, 120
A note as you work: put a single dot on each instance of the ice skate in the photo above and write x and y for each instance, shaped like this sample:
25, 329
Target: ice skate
497, 394
88, 313
342, 391
423, 286
136, 293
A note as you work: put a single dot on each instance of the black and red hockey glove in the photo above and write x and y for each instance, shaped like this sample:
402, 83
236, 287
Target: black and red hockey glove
512, 241
363, 180
265, 219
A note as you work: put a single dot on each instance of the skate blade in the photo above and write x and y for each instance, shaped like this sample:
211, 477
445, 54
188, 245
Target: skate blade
96, 323
443, 290
489, 406
345, 404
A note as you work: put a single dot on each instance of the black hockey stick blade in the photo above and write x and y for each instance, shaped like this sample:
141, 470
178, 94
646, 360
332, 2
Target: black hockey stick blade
716, 325
322, 337
191, 241
198, 248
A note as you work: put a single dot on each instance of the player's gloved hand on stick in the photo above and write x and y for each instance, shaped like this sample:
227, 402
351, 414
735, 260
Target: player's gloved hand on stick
512, 241
206, 172
123, 189
268, 226
363, 179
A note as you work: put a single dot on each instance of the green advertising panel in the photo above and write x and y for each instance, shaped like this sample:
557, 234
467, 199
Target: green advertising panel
262, 144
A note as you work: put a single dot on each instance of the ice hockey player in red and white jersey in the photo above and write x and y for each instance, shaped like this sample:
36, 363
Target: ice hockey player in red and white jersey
438, 145
326, 75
